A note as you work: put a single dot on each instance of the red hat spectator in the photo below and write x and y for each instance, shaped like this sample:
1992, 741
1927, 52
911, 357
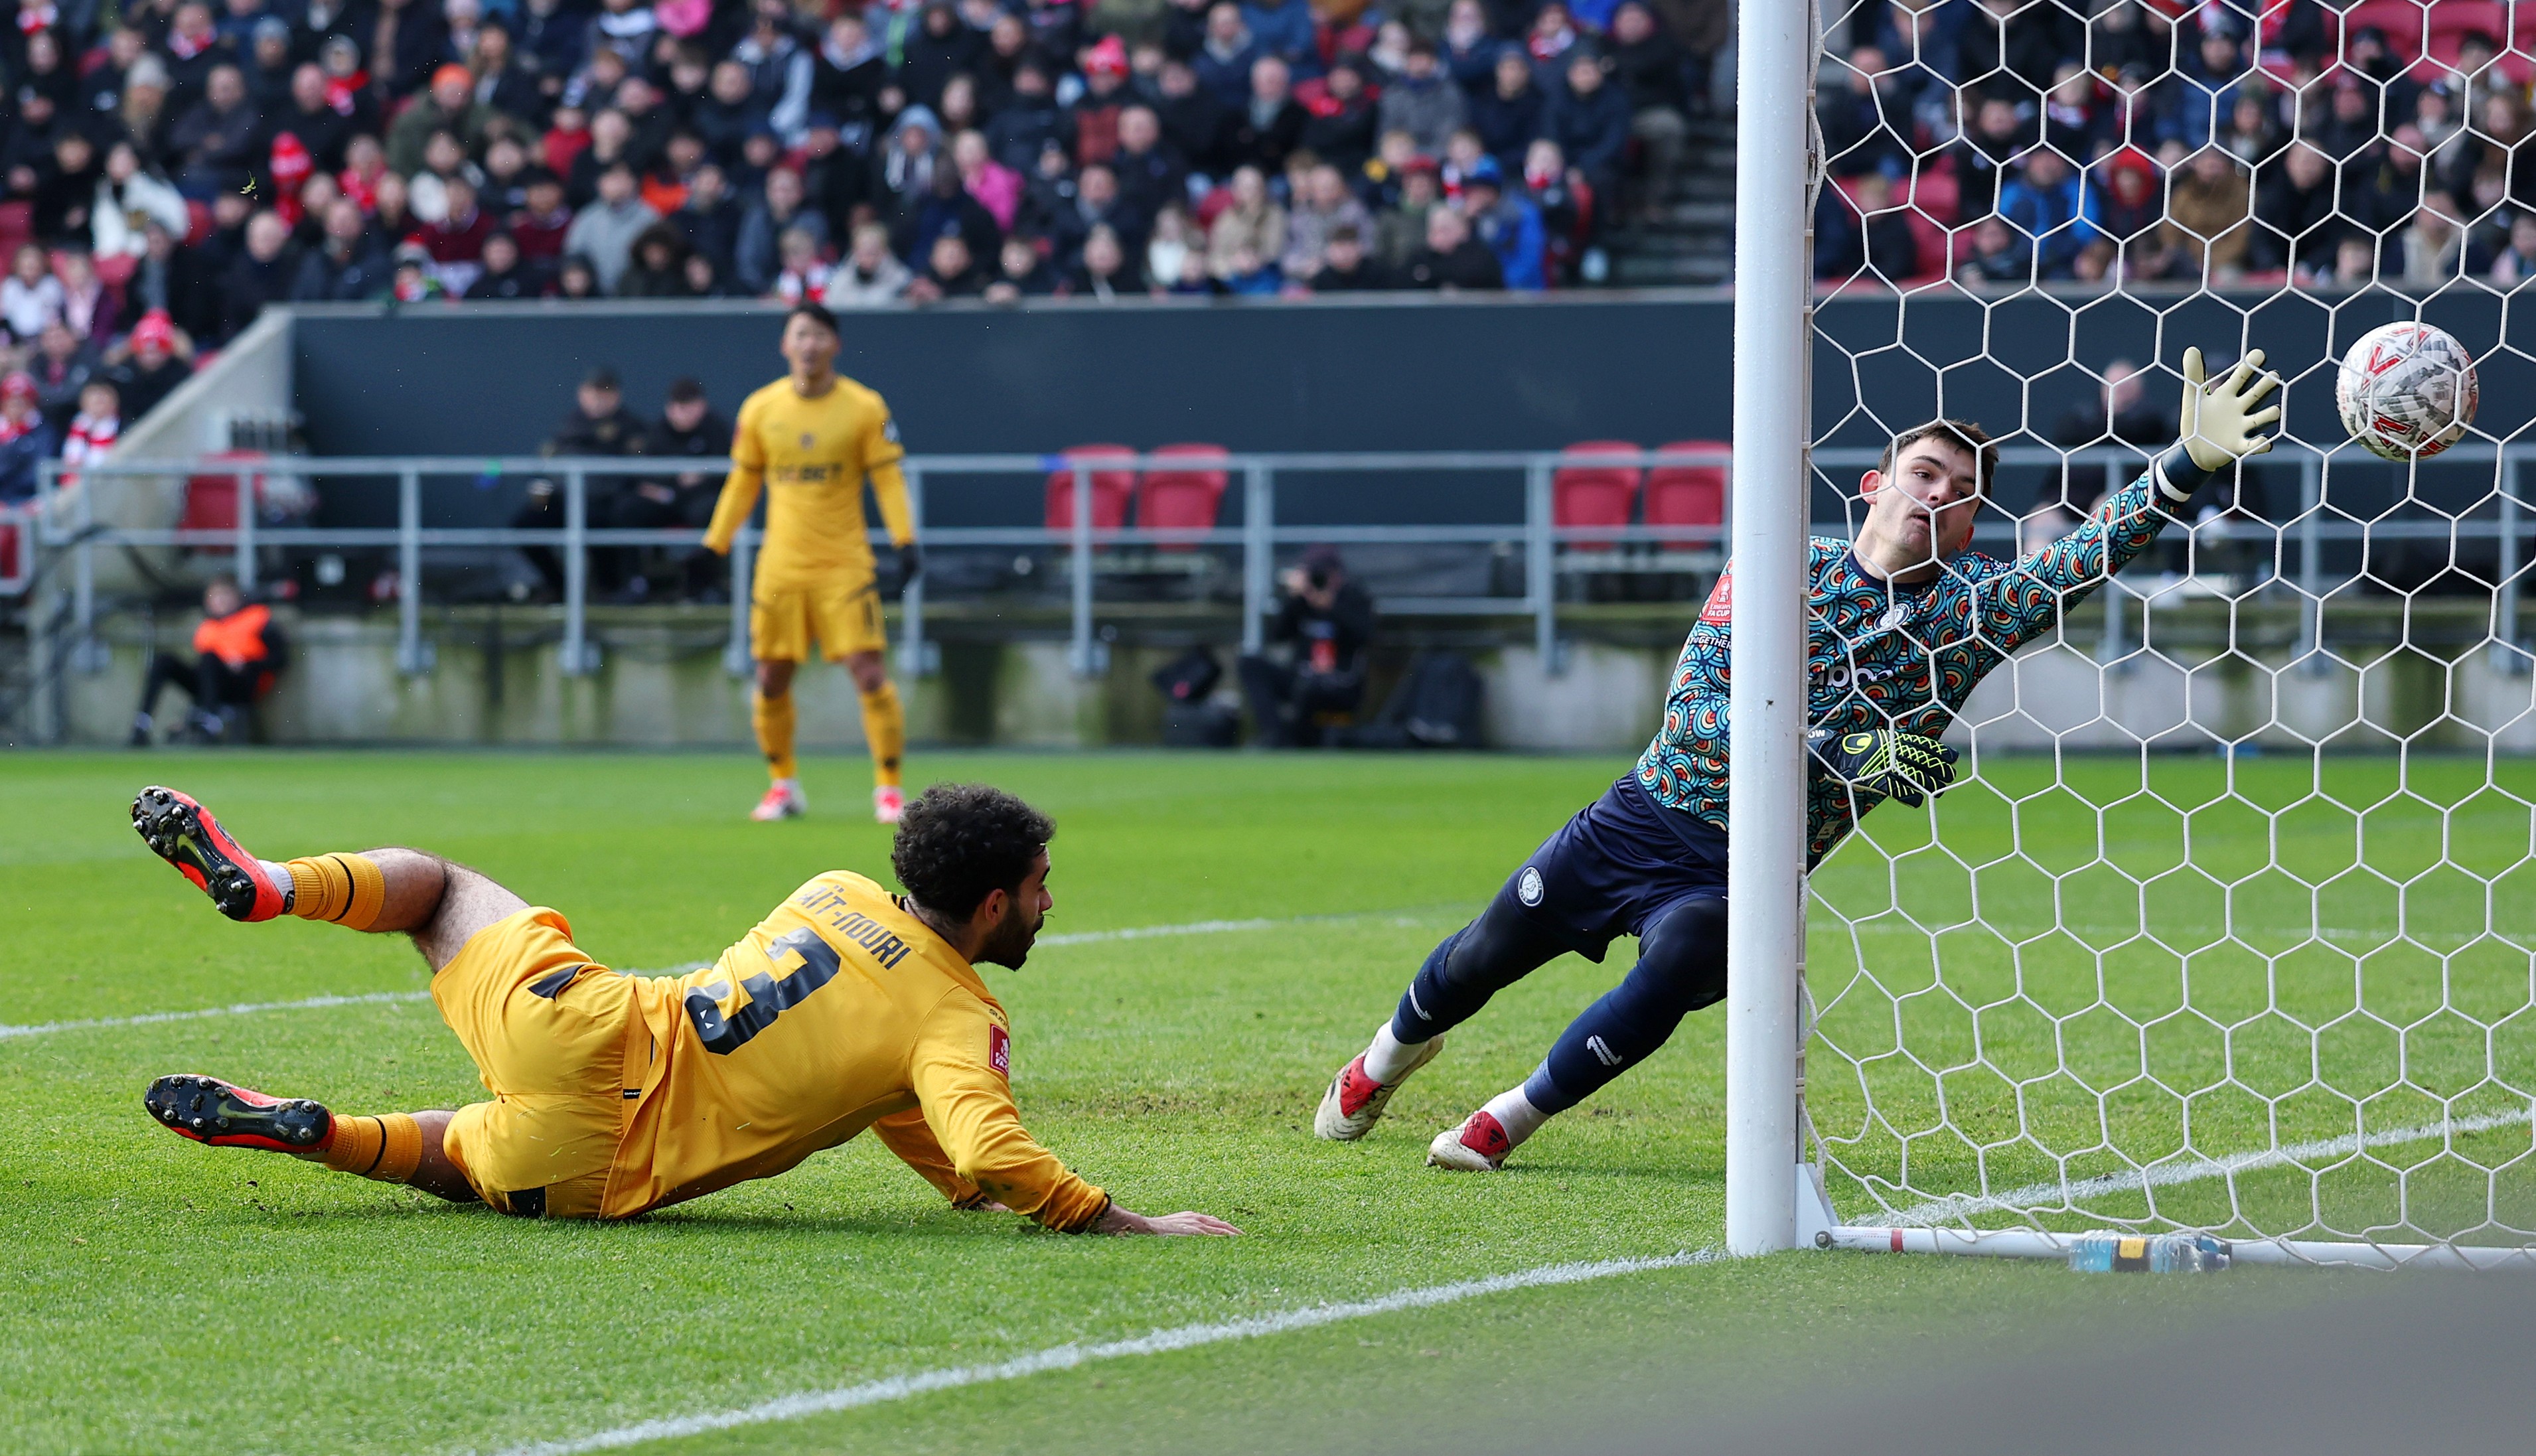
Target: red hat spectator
292, 163
1108, 58
19, 385
684, 18
154, 331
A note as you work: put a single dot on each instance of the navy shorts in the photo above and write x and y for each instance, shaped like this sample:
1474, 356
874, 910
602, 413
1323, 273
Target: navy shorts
1617, 868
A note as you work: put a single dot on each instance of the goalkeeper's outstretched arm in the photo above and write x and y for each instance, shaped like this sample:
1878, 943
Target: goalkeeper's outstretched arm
2222, 422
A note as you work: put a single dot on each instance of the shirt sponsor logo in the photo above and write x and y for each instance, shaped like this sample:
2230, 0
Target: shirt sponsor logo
1527, 886
999, 1050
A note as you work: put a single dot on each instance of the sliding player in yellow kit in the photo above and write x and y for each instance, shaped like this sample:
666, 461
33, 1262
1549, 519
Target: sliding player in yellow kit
809, 439
846, 1008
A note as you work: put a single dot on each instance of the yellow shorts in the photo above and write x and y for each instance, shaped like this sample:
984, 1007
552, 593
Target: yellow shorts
844, 617
562, 1047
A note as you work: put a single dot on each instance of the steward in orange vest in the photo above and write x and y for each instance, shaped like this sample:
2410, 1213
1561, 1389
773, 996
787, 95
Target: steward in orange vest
237, 653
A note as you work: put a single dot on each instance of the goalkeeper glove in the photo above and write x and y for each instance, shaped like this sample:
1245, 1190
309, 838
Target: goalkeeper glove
1903, 766
2220, 421
910, 564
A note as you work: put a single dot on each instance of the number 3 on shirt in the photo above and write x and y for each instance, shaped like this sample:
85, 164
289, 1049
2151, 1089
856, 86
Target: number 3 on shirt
768, 997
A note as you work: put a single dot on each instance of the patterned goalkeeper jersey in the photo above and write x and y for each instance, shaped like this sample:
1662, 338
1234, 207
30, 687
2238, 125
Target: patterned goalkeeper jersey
1883, 655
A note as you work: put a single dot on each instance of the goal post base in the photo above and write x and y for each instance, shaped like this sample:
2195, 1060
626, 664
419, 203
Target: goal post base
2034, 1243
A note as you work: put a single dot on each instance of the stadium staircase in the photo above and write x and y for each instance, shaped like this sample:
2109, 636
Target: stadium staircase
1685, 236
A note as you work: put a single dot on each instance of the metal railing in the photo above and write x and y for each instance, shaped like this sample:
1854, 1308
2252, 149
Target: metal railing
71, 526
68, 524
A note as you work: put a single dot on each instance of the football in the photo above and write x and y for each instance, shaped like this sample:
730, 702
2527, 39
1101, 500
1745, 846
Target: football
2407, 391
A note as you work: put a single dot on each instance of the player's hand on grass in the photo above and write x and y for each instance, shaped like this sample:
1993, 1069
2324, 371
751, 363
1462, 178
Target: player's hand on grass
1896, 765
2220, 422
1117, 1220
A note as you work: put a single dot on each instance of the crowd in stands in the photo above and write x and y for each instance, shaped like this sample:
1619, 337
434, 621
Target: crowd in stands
2002, 143
175, 165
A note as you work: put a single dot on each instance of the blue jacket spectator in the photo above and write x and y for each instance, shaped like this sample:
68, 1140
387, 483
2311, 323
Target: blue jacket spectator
1284, 28
1924, 36
2203, 89
1508, 224
1423, 102
25, 437
1865, 116
1223, 64
1507, 115
2044, 202
1590, 122
552, 35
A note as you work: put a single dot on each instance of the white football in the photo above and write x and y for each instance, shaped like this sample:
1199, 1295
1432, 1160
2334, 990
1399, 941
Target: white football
2407, 391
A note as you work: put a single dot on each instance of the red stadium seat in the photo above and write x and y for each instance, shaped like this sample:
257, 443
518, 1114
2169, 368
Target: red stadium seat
212, 501
1931, 201
1182, 500
17, 226
1112, 489
1590, 488
1687, 494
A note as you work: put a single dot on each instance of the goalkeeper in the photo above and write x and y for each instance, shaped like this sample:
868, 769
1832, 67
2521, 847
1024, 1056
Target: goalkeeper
1904, 622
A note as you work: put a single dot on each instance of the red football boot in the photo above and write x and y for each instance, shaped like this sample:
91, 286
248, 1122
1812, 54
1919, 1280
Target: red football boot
186, 834
1355, 1101
1478, 1145
224, 1114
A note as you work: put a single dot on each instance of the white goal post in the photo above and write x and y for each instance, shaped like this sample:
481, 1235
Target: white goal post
2229, 925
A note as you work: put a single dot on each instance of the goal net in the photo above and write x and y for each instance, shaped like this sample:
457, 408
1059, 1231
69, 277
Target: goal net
2229, 925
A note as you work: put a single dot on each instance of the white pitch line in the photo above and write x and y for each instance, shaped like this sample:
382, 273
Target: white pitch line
242, 1008
1068, 1357
2036, 1195
314, 1004
1219, 928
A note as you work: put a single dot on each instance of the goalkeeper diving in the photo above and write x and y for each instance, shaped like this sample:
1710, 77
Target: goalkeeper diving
1903, 624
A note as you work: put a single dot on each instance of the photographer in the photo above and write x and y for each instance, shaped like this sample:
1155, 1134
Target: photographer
1329, 620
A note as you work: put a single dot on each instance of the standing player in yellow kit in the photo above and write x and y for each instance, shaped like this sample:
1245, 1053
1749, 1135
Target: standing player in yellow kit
811, 438
847, 1007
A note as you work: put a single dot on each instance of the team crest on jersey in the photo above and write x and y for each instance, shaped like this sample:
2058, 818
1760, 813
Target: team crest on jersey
810, 441
999, 1050
1527, 886
1720, 609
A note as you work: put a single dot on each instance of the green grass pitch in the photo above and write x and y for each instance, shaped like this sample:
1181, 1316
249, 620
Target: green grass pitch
157, 1296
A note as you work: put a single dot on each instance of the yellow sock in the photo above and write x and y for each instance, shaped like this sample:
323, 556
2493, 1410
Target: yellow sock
385, 1148
886, 730
344, 889
773, 720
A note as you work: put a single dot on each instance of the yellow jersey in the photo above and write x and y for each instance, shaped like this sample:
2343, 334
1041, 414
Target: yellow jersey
813, 454
840, 1011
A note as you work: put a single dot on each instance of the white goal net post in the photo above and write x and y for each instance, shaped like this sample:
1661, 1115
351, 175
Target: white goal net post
2229, 926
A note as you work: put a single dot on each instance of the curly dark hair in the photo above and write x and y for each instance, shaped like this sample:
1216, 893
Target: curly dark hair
959, 841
